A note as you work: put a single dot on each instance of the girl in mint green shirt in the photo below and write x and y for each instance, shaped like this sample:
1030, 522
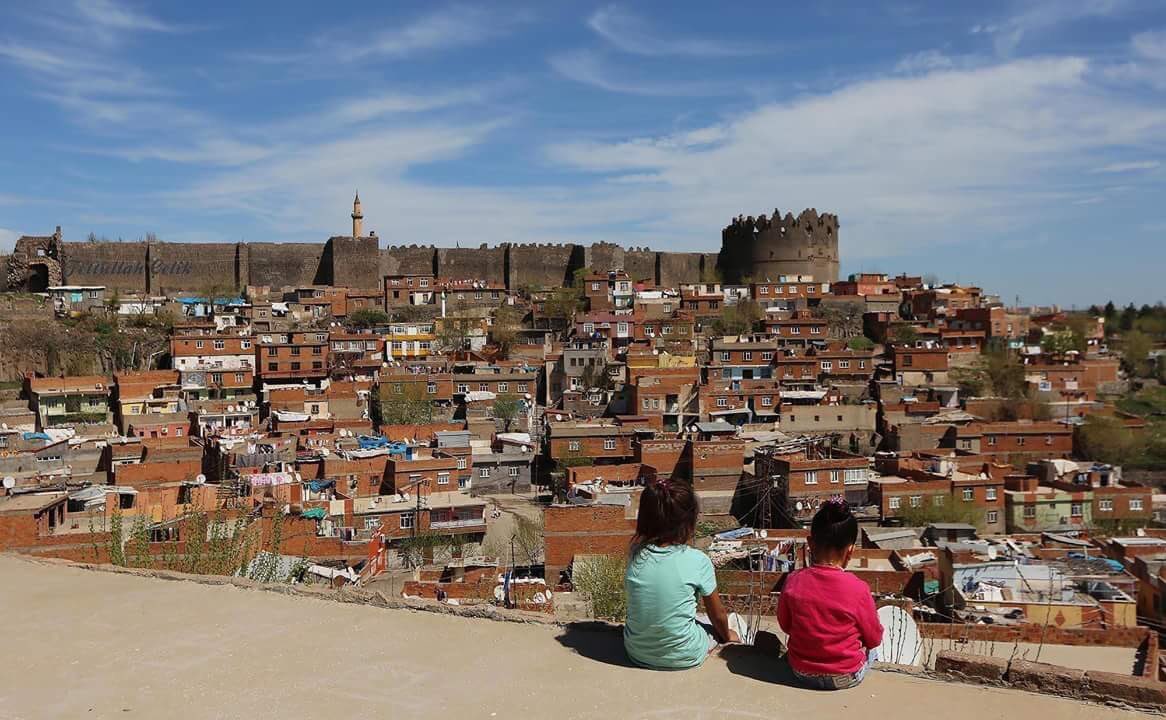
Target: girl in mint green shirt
665, 577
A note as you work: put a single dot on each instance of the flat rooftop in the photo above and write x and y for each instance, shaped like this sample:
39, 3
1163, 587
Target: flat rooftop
231, 656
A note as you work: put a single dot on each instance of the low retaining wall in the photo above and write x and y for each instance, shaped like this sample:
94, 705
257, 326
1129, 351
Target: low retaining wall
1089, 685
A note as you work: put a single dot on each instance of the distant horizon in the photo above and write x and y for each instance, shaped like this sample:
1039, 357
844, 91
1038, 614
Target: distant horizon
1017, 145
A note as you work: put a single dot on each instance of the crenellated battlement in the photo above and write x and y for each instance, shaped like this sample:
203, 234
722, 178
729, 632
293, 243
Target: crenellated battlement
768, 246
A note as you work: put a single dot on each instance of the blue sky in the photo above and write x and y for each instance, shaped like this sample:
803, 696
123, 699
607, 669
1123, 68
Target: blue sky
1019, 145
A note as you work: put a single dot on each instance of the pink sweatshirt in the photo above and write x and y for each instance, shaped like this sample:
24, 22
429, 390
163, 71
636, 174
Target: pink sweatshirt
831, 620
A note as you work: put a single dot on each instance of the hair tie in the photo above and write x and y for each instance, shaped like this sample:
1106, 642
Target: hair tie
661, 484
838, 501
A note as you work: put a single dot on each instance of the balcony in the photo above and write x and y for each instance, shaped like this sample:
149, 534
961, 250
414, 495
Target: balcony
460, 523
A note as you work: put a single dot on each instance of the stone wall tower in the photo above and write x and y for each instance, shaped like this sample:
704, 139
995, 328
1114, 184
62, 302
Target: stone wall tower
357, 218
766, 248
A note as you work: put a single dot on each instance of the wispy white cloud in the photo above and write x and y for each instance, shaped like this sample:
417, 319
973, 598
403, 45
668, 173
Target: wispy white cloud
924, 61
1124, 167
115, 16
452, 26
1035, 16
971, 150
633, 34
591, 68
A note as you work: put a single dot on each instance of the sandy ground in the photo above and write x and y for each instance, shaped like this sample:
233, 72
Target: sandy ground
99, 645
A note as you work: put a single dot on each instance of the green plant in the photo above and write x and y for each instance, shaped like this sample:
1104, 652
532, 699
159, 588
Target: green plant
506, 408
367, 318
601, 578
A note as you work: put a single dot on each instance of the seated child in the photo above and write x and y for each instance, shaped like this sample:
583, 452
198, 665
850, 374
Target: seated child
829, 613
664, 577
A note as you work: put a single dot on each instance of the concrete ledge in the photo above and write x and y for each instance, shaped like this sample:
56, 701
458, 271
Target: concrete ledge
971, 668
346, 594
1089, 685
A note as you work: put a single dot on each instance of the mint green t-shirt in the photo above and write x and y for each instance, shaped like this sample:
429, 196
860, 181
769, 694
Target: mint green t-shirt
662, 585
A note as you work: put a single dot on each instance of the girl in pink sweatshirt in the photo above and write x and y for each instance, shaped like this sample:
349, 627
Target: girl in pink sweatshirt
829, 613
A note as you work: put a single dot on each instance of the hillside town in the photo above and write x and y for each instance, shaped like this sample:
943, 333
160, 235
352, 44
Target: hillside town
483, 440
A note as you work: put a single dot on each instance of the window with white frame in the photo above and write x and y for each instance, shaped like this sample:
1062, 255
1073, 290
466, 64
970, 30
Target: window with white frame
747, 355
722, 402
969, 494
827, 364
726, 356
767, 355
512, 471
993, 517
990, 493
1136, 504
835, 476
462, 388
431, 388
609, 443
766, 401
588, 328
937, 500
844, 364
573, 445
1105, 505
372, 523
484, 473
406, 520
521, 387
1030, 511
855, 476
461, 463
503, 387
1076, 510
443, 478
811, 477
894, 503
220, 344
916, 501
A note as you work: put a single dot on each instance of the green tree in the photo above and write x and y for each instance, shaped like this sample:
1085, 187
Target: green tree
563, 303
368, 318
738, 319
454, 330
860, 343
996, 371
1062, 342
601, 579
1135, 347
904, 334
507, 322
411, 406
506, 409
1107, 440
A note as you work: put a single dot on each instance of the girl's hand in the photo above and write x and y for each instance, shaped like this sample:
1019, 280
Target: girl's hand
734, 637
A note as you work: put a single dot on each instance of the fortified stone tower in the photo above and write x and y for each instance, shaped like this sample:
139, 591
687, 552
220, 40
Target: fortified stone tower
35, 263
764, 248
357, 218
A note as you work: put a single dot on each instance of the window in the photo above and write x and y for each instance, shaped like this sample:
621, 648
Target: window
406, 520
1076, 510
937, 500
512, 471
295, 366
766, 401
484, 473
1105, 505
916, 501
245, 344
894, 503
1136, 504
767, 355
594, 286
1030, 511
906, 361
811, 477
764, 289
815, 329
795, 330
722, 402
273, 367
609, 443
239, 377
993, 517
521, 387
431, 388
1048, 439
827, 364
778, 290
1020, 440
484, 387
621, 328
855, 476
747, 355
198, 343
220, 345
969, 494
588, 328
834, 476
573, 445
991, 439
295, 350
726, 356
423, 282
317, 365
372, 523
990, 493
443, 478
463, 388
793, 289
647, 403
461, 463
843, 364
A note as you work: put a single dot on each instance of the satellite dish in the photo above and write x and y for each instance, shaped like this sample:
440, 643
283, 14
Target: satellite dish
9, 482
200, 478
798, 506
991, 552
